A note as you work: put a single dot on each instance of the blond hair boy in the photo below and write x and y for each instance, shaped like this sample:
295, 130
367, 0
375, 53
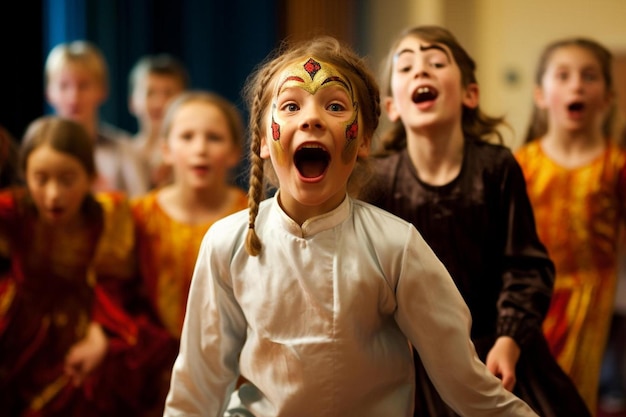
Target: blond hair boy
76, 83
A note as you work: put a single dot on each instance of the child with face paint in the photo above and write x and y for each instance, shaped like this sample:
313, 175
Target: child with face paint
467, 197
313, 296
576, 179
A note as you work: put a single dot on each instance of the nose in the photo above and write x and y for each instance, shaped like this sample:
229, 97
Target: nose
578, 81
311, 117
201, 143
52, 192
72, 93
421, 70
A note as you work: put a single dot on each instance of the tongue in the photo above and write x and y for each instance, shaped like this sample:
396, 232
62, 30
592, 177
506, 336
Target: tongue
312, 169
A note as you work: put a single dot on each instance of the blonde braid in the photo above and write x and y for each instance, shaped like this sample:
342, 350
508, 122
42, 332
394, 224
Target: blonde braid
256, 188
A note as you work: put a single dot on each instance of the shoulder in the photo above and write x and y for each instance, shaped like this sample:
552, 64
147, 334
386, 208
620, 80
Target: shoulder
492, 158
145, 203
391, 240
381, 225
493, 150
11, 201
616, 154
111, 132
227, 234
115, 208
145, 200
384, 169
112, 198
384, 164
527, 151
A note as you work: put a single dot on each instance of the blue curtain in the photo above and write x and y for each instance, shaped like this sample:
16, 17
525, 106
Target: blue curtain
219, 41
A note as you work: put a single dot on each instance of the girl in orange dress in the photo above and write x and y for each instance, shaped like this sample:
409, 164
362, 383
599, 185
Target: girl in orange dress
576, 181
64, 341
203, 139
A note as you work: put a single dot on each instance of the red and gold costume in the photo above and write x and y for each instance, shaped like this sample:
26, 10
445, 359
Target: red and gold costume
579, 213
58, 283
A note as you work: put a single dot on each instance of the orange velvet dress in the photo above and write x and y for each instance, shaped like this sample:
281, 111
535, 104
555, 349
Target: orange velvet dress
579, 213
54, 287
167, 256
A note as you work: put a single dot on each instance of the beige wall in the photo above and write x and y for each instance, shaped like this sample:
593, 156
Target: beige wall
505, 38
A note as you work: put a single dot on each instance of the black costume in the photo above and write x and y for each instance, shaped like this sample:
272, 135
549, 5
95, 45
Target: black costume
481, 225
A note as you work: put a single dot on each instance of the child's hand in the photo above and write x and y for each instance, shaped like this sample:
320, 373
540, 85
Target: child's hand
86, 355
502, 359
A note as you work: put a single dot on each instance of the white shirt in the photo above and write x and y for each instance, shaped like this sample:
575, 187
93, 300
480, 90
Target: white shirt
320, 322
118, 163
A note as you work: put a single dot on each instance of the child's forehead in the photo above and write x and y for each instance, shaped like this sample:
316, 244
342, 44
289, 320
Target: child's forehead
48, 157
574, 53
310, 73
75, 70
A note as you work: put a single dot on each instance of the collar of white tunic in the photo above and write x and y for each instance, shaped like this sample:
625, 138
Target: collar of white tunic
315, 224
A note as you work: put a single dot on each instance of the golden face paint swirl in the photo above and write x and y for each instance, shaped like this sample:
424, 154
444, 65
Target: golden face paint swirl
313, 75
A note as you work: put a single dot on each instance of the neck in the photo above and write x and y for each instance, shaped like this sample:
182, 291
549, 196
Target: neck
573, 148
195, 205
436, 154
91, 125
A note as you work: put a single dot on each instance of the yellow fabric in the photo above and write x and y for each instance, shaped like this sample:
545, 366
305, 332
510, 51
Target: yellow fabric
114, 254
579, 213
167, 256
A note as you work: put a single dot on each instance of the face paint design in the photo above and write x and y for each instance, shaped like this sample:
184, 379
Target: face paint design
312, 76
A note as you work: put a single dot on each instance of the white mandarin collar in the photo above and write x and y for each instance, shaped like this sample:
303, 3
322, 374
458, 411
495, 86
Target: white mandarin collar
315, 224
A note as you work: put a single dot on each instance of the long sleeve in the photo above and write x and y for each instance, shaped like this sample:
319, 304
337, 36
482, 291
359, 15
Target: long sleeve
206, 369
434, 316
528, 271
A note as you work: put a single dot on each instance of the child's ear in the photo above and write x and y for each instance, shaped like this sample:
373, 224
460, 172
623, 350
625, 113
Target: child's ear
131, 106
609, 99
390, 109
165, 151
471, 96
540, 101
364, 147
265, 149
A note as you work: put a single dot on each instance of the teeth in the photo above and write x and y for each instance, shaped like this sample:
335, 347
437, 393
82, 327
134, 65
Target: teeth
311, 146
423, 90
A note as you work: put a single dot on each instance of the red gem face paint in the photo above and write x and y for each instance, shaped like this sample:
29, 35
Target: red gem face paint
275, 130
352, 130
312, 66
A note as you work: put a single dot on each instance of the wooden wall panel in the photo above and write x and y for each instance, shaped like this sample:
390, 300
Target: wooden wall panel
307, 18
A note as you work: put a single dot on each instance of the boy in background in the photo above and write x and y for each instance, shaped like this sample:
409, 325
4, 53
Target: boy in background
153, 82
76, 82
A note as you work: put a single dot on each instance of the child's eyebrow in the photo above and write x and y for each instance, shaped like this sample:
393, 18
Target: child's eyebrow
330, 79
423, 48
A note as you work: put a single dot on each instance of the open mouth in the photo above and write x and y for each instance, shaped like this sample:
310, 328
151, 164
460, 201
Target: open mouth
199, 168
576, 106
311, 160
56, 212
423, 94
